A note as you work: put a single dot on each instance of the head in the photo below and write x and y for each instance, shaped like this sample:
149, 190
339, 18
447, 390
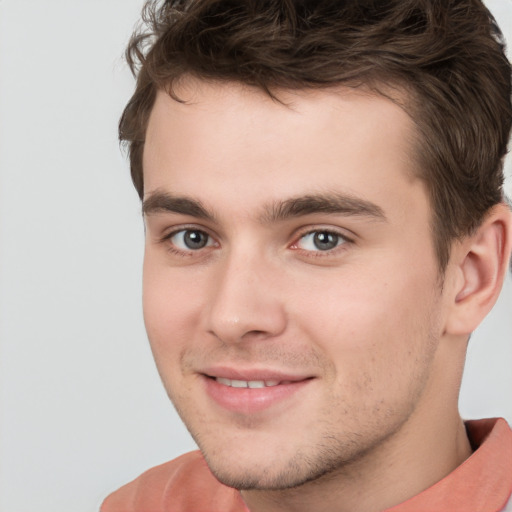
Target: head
324, 221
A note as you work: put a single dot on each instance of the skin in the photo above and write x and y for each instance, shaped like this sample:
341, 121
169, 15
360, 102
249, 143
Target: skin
370, 323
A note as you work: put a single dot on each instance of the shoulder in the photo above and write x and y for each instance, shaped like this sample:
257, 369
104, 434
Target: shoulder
184, 484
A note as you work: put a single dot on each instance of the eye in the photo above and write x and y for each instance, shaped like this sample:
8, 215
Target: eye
190, 239
320, 241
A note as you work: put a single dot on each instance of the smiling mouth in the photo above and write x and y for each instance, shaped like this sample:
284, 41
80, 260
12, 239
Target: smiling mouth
253, 384
254, 395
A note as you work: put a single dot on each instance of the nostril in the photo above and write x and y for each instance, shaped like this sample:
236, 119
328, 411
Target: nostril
255, 333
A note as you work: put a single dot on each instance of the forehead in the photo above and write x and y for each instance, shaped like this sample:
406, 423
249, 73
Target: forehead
227, 140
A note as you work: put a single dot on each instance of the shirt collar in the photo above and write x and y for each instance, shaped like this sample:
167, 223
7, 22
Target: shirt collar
483, 483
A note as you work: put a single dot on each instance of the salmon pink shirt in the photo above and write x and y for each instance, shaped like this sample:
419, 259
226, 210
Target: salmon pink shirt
483, 483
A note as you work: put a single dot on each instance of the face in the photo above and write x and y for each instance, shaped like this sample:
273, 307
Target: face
291, 291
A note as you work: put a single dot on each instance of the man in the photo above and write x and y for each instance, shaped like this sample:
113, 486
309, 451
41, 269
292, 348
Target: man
325, 227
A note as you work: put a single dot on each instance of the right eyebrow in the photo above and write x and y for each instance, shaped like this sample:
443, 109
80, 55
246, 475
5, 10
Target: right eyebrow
159, 201
330, 203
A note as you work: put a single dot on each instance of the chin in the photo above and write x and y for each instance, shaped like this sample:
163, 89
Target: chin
288, 473
254, 478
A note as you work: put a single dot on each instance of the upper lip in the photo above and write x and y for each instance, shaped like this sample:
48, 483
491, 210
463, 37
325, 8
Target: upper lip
252, 374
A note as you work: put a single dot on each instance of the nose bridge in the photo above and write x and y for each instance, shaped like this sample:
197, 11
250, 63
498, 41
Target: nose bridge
245, 302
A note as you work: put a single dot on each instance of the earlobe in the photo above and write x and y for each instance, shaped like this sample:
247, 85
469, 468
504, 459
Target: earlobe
482, 263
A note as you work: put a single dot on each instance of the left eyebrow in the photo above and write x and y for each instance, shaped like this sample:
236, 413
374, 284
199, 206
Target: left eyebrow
331, 203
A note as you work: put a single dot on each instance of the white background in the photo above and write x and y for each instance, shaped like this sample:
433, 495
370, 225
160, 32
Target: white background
81, 406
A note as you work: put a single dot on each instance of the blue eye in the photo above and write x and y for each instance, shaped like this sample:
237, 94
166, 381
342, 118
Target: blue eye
320, 241
190, 239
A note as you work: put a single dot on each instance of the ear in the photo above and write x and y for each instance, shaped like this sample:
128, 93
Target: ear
481, 263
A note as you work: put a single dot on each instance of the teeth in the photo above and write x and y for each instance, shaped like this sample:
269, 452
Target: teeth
253, 384
238, 384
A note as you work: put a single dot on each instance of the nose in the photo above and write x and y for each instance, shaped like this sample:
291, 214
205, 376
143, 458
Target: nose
245, 303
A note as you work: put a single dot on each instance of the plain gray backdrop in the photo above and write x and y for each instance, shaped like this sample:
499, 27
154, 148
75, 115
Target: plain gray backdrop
82, 409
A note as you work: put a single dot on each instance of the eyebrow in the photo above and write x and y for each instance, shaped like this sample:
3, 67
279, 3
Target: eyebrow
329, 203
159, 202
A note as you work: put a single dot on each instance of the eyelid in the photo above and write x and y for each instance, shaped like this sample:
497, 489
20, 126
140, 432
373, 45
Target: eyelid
342, 233
171, 231
166, 239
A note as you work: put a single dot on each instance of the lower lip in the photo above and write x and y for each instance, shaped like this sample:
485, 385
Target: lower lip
247, 400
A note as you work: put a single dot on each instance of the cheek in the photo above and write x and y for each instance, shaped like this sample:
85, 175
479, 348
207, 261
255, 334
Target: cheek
378, 332
170, 305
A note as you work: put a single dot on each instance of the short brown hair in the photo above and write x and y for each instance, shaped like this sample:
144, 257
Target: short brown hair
448, 55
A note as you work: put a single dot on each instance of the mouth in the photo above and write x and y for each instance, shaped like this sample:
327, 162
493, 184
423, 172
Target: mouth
253, 384
252, 392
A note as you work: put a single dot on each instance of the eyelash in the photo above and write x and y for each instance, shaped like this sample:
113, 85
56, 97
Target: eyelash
166, 239
344, 240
